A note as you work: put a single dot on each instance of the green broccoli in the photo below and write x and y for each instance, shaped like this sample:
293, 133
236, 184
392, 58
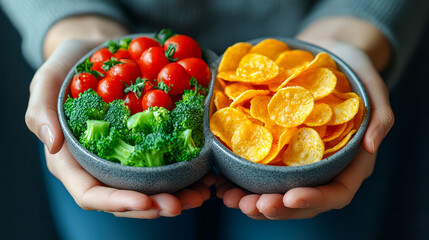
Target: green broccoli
96, 130
114, 148
154, 119
186, 148
154, 150
88, 106
117, 114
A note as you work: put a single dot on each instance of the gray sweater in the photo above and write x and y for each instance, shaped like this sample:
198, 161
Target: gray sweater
217, 24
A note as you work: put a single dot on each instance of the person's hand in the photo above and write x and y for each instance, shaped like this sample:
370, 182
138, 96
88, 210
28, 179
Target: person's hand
307, 202
41, 118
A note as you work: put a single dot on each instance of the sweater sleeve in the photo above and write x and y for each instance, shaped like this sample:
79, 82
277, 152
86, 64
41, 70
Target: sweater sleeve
34, 18
401, 21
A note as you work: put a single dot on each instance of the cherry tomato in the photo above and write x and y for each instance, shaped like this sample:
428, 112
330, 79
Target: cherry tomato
186, 47
133, 103
198, 69
176, 77
121, 54
127, 71
152, 61
156, 98
99, 57
82, 82
110, 89
138, 45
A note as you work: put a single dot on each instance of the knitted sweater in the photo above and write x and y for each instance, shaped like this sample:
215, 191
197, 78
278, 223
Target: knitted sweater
216, 24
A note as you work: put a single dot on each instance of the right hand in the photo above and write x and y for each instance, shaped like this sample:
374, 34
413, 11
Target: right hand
90, 194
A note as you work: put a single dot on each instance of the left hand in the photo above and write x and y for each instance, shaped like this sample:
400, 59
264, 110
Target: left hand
307, 202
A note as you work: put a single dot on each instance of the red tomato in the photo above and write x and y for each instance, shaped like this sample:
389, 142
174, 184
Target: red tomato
156, 98
138, 45
133, 103
152, 61
82, 82
110, 89
186, 47
128, 72
198, 69
121, 54
176, 77
99, 57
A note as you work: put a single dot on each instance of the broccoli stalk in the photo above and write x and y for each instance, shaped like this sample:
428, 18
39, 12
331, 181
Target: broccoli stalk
186, 149
154, 119
96, 130
114, 148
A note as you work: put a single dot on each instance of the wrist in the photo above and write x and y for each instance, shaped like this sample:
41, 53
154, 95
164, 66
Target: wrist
86, 27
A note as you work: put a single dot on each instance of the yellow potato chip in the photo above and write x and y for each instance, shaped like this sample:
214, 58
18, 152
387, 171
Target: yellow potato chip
232, 56
290, 106
247, 95
270, 48
252, 145
343, 84
333, 132
220, 100
230, 76
321, 130
350, 125
322, 60
258, 109
344, 111
276, 130
274, 86
341, 144
320, 115
277, 146
257, 69
359, 115
305, 147
225, 121
292, 60
246, 111
319, 81
235, 89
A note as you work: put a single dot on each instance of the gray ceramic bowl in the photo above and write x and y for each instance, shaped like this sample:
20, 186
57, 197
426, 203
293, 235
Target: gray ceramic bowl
169, 178
260, 178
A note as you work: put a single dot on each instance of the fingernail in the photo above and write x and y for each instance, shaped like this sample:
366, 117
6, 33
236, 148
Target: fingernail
165, 213
46, 136
271, 212
377, 136
186, 206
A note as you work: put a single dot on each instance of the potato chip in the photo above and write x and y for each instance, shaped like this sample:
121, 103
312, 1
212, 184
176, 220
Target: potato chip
220, 100
290, 106
235, 89
253, 145
344, 111
321, 130
320, 115
277, 146
274, 86
359, 115
305, 147
343, 84
258, 109
230, 76
276, 130
246, 111
292, 60
247, 95
225, 121
232, 56
256, 69
319, 81
270, 48
341, 144
322, 60
333, 132
350, 125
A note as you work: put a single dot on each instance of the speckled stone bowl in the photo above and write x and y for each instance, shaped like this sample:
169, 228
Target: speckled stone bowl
169, 178
260, 178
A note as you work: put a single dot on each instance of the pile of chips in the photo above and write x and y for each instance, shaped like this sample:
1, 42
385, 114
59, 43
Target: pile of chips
282, 107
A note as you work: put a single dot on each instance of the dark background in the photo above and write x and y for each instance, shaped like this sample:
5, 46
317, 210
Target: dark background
25, 210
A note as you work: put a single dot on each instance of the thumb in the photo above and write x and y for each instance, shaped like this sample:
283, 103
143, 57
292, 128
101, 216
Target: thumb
41, 115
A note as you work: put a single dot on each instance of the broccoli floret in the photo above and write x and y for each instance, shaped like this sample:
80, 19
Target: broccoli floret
96, 130
88, 106
117, 114
154, 119
155, 150
114, 148
186, 148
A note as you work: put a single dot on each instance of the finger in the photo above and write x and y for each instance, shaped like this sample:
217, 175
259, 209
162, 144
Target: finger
222, 185
41, 115
248, 206
202, 189
302, 213
167, 204
209, 179
232, 197
88, 192
149, 214
190, 198
336, 194
272, 207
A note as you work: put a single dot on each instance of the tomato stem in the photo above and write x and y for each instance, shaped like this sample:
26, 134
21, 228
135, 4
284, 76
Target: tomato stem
170, 52
86, 67
163, 35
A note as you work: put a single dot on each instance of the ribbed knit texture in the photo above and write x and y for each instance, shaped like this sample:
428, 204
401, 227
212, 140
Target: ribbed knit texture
216, 24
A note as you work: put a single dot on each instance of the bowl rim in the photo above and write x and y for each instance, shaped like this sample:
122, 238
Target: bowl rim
62, 96
295, 44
